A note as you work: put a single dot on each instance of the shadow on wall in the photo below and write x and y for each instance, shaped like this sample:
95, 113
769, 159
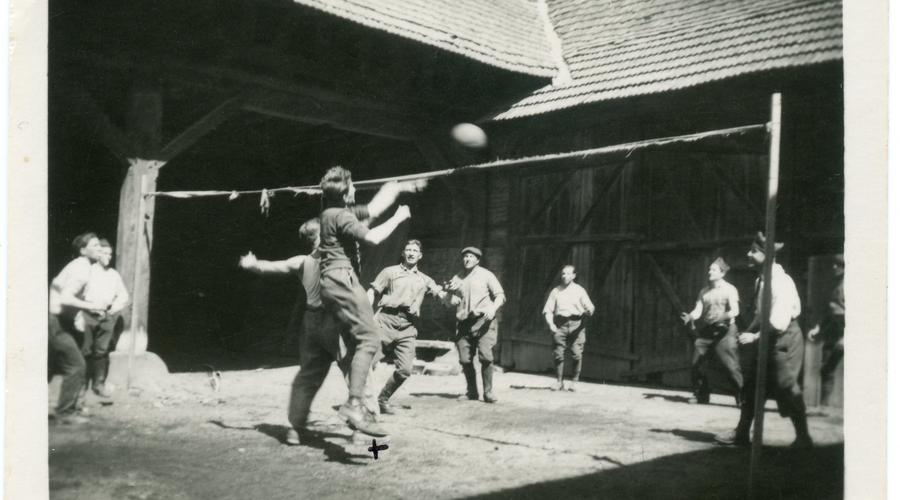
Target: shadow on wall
716, 473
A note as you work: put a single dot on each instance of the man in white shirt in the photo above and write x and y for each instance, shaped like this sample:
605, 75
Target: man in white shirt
66, 299
107, 289
785, 352
564, 312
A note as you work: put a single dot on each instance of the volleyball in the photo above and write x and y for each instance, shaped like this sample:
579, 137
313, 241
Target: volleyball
469, 135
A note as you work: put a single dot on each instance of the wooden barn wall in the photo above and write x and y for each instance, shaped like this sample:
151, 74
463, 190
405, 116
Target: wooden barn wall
642, 228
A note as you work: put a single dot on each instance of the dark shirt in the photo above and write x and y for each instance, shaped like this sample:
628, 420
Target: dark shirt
340, 234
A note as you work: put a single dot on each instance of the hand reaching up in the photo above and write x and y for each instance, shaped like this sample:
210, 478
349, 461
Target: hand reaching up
248, 261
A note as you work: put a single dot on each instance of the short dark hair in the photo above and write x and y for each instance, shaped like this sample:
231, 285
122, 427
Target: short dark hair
82, 241
335, 184
309, 231
105, 243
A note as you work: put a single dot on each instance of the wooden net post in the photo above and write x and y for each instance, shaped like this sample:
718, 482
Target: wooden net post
766, 307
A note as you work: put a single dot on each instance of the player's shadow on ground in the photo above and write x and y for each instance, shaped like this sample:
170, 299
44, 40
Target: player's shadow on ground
445, 395
310, 438
699, 436
532, 387
687, 400
715, 472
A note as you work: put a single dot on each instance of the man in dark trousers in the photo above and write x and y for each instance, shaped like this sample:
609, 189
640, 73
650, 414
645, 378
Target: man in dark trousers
320, 343
105, 288
830, 329
343, 229
713, 319
477, 295
66, 300
402, 289
785, 352
565, 311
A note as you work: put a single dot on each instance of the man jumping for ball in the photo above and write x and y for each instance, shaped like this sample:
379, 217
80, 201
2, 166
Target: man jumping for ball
343, 228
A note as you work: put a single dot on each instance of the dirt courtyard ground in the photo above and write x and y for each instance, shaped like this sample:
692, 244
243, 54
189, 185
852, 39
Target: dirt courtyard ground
182, 440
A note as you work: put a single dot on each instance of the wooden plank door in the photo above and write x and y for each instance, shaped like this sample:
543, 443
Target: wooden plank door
571, 215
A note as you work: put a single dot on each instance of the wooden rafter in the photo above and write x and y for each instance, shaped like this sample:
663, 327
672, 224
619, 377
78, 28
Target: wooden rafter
297, 101
82, 105
343, 116
200, 128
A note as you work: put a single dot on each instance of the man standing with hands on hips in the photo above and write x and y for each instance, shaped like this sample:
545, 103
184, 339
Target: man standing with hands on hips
477, 295
565, 310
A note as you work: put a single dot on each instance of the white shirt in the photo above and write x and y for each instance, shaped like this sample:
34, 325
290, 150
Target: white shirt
785, 299
106, 288
569, 300
72, 278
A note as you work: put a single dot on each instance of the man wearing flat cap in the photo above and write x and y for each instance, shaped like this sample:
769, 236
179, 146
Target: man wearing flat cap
717, 335
477, 295
785, 352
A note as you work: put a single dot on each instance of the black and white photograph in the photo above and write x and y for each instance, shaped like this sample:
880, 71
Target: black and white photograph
505, 249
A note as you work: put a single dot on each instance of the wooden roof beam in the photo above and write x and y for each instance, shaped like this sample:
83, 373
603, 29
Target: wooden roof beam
201, 127
342, 116
270, 88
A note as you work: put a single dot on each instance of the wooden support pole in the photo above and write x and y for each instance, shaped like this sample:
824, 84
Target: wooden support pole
137, 277
133, 262
765, 312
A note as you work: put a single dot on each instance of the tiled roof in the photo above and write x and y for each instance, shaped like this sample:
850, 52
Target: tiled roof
505, 33
621, 48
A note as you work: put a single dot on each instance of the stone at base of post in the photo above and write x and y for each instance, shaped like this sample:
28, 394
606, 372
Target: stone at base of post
148, 371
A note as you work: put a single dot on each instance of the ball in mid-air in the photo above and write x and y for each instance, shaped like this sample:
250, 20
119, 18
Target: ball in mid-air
469, 135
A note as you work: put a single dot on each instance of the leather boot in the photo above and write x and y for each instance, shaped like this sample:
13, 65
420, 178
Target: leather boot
468, 370
390, 387
487, 378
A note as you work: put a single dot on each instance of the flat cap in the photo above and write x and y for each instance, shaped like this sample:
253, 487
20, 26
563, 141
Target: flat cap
472, 250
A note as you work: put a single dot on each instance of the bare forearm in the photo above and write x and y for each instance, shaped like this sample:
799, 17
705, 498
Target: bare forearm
380, 233
383, 199
70, 300
548, 317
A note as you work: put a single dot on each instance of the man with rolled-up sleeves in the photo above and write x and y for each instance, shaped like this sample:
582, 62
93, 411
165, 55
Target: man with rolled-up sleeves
565, 311
402, 288
477, 295
785, 353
